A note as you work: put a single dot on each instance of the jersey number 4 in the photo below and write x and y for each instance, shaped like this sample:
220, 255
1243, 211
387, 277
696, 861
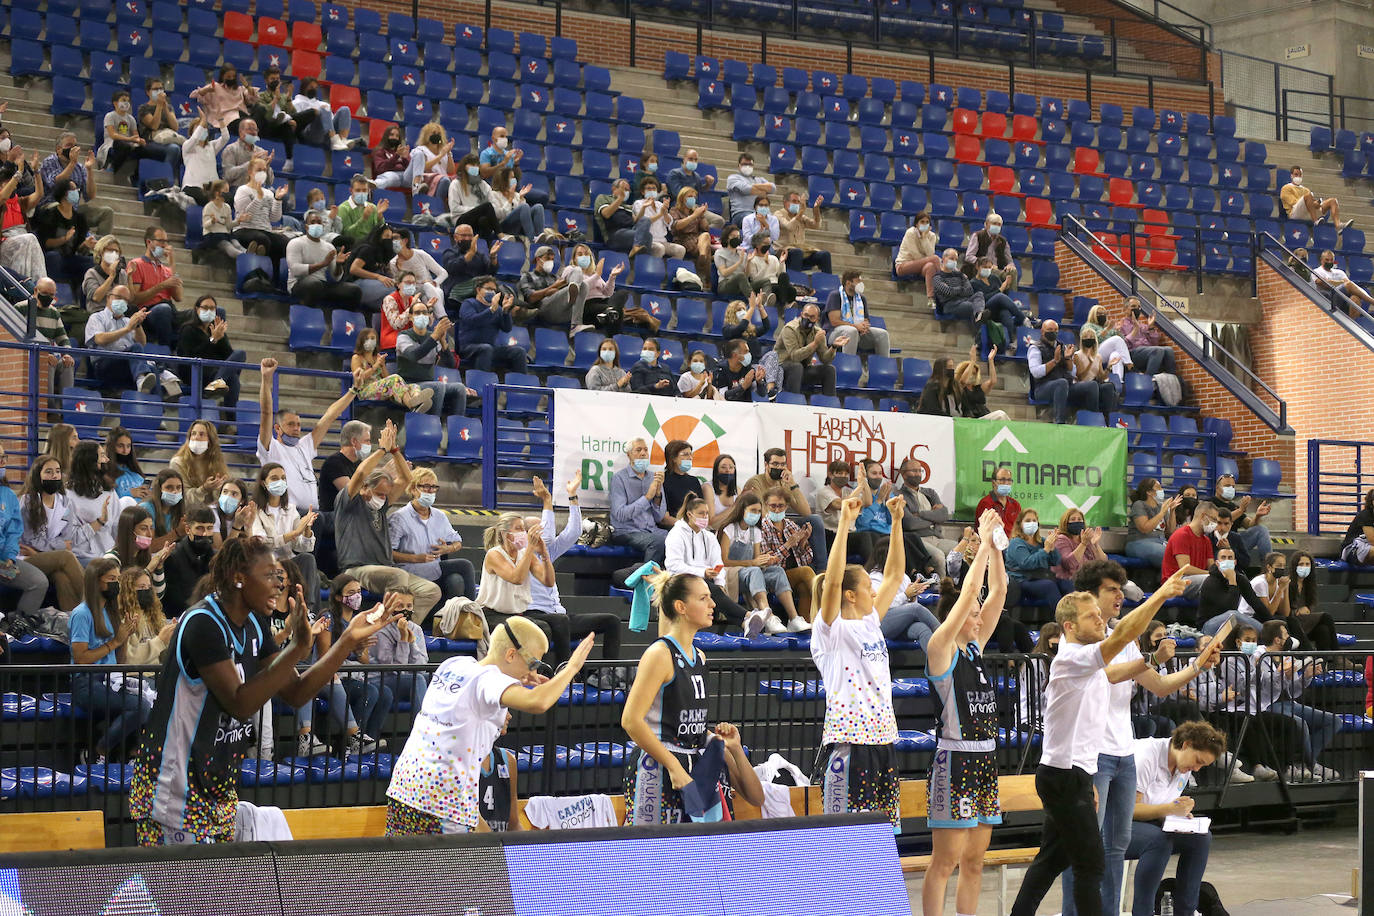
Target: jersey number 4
490, 798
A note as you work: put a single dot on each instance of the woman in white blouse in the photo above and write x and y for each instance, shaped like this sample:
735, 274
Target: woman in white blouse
1163, 767
278, 522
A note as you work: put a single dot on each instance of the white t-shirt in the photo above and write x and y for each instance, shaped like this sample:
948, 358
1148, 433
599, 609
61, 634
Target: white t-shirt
1261, 588
648, 209
740, 533
1154, 782
1118, 738
548, 813
1075, 707
459, 722
1333, 277
852, 658
298, 463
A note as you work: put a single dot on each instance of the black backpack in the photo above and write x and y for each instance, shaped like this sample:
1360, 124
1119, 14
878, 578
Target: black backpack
1208, 900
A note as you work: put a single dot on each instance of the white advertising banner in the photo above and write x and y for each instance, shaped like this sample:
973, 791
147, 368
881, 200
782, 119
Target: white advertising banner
815, 436
593, 430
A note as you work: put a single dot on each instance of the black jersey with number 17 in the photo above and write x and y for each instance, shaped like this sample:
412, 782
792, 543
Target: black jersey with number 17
678, 713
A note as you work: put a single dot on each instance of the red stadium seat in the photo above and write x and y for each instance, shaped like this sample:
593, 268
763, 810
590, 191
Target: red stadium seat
1156, 222
1025, 128
1040, 212
305, 64
994, 125
967, 148
305, 36
272, 32
341, 96
965, 121
376, 128
1085, 160
1121, 192
238, 27
1001, 180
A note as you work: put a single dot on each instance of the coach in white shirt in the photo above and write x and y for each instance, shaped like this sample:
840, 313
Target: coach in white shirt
1114, 783
1076, 700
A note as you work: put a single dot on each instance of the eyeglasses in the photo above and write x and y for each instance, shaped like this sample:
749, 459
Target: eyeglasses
428, 488
519, 649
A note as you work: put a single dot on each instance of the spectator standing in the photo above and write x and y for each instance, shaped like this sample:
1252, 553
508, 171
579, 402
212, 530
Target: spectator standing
481, 322
67, 162
281, 440
804, 355
355, 444
1300, 203
743, 187
638, 517
917, 255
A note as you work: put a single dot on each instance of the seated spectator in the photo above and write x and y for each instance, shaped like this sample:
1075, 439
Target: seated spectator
397, 305
846, 312
760, 574
257, 209
777, 473
691, 231
155, 286
133, 542
696, 379
498, 154
954, 295
327, 128
22, 253
793, 223
1300, 203
1152, 521
200, 462
790, 543
418, 349
376, 383
315, 268
648, 168
693, 549
743, 188
122, 142
217, 223
1359, 534
369, 266
925, 548
1077, 544
206, 336
189, 560
732, 270
603, 306
648, 376
359, 217
1226, 594
333, 226
1252, 534
514, 213
1278, 687
97, 640
120, 465
61, 442
470, 200
972, 389
423, 540
1111, 346
988, 242
1003, 313
280, 439
907, 619
1149, 351
940, 395
515, 552
805, 356
1163, 767
1305, 622
734, 378
1190, 548
226, 99
724, 488
1000, 500
638, 517
94, 502
832, 494
481, 322
65, 162
465, 262
66, 240
875, 520
1224, 536
606, 374
654, 213
109, 329
107, 273
1030, 557
1088, 367
547, 297
1297, 262
391, 161
428, 274
1187, 502
151, 631
679, 483
47, 321
274, 113
166, 506
362, 531
157, 126
233, 511
761, 219
402, 643
1332, 278
244, 157
917, 254
49, 532
1054, 375
432, 161
766, 274
687, 176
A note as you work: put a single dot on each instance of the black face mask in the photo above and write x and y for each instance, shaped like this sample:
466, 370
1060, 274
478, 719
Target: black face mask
67, 152
874, 483
464, 245
124, 459
309, 93
732, 242
1074, 528
806, 324
1327, 265
727, 479
1050, 337
231, 81
392, 142
50, 486
1137, 313
840, 481
145, 598
775, 473
1089, 343
436, 138
110, 592
44, 299
272, 85
202, 544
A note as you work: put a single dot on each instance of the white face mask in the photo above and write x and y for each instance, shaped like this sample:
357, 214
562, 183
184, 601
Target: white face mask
951, 265
197, 446
110, 257
370, 345
502, 142
1209, 527
546, 266
1030, 527
260, 177
376, 503
923, 227
859, 288
746, 170
1297, 180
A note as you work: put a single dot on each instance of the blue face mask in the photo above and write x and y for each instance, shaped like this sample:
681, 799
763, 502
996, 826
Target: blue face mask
776, 517
359, 198
690, 165
684, 465
608, 356
1249, 648
1004, 489
1304, 572
276, 487
746, 359
73, 197
698, 367
474, 171
170, 499
118, 306
290, 441
640, 465
228, 504
751, 518
250, 139
1226, 565
994, 230
318, 205
651, 168
762, 212
427, 499
689, 201
649, 356
1030, 527
584, 261
794, 209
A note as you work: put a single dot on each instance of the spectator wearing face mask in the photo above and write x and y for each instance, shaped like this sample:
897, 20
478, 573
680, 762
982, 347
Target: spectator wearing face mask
516, 213
391, 160
735, 378
777, 473
732, 270
690, 230
423, 540
377, 383
122, 141
157, 125
804, 354
1270, 587
257, 213
761, 219
606, 374
1001, 308
547, 297
1111, 346
692, 548
315, 268
66, 162
427, 272
114, 330
358, 216
653, 210
744, 187
226, 99
687, 175
649, 375
482, 320
418, 349
1300, 203
603, 306
875, 520
397, 305
940, 395
200, 164
1088, 367
1150, 353
316, 201
47, 321
1054, 375
954, 295
917, 255
243, 157
66, 239
1250, 531
1000, 500
189, 561
989, 243
1309, 624
846, 312
1190, 548
793, 221
696, 379
1031, 558
206, 336
328, 128
217, 222
637, 504
22, 253
972, 389
465, 262
1331, 278
1152, 521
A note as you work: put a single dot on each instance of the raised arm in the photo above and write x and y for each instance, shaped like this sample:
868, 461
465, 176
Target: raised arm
895, 567
268, 368
331, 414
541, 697
833, 588
996, 600
940, 649
1134, 623
385, 443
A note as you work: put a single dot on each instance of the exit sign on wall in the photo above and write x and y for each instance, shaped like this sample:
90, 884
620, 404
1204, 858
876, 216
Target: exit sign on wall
1365, 51
1295, 51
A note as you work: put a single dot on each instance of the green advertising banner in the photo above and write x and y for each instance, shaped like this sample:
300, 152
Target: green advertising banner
1053, 468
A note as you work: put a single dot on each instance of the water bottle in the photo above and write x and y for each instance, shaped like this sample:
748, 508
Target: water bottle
1166, 906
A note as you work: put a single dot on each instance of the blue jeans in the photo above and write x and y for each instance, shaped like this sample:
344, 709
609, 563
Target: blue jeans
121, 373
1115, 785
650, 542
526, 220
1318, 726
449, 398
160, 325
124, 711
1151, 551
1152, 847
1242, 620
910, 621
457, 578
1256, 540
371, 700
339, 712
1062, 393
407, 687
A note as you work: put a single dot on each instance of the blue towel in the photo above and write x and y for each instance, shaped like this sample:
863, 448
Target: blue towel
640, 603
701, 797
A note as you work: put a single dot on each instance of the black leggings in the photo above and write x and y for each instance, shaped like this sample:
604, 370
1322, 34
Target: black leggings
726, 606
482, 219
560, 628
274, 242
1318, 628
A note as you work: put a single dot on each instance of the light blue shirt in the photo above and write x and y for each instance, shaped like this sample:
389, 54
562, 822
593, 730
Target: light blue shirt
752, 225
104, 321
545, 597
81, 627
412, 534
630, 509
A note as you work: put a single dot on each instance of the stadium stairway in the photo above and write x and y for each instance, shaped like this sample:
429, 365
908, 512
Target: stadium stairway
1322, 174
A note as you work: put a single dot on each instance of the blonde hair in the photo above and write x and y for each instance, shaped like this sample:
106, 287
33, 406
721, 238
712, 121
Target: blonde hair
196, 469
419, 476
968, 373
105, 241
150, 620
1070, 606
533, 642
495, 536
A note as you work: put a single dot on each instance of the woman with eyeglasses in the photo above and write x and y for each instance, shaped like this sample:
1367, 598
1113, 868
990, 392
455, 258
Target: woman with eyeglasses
434, 785
423, 538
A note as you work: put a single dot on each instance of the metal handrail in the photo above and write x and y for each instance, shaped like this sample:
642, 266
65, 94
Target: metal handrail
1318, 480
1207, 353
1203, 27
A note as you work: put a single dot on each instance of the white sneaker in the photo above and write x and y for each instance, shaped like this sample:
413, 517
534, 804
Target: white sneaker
754, 622
1346, 225
307, 745
1240, 777
1325, 774
339, 143
218, 384
798, 625
1264, 773
288, 166
1296, 773
358, 743
171, 385
773, 626
147, 382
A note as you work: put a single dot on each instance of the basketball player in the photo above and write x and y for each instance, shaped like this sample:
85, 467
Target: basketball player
962, 805
665, 713
498, 798
1076, 701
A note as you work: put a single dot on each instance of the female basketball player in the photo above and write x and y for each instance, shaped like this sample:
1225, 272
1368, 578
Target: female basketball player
858, 763
961, 790
498, 798
666, 711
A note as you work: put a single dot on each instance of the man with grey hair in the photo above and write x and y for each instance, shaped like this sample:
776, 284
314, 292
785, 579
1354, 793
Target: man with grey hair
361, 528
543, 295
637, 512
281, 440
922, 520
989, 243
66, 163
355, 444
955, 296
244, 156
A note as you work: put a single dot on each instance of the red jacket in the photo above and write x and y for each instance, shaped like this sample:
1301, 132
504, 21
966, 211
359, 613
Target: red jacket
1009, 512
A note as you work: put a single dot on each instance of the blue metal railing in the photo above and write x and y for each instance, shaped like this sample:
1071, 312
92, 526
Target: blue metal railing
512, 452
1251, 390
1339, 473
1350, 314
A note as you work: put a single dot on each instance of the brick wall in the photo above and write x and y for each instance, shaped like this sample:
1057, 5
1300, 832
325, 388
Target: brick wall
605, 40
14, 414
1150, 41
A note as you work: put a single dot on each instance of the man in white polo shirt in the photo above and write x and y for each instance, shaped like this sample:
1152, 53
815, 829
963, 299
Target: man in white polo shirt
1114, 783
1076, 700
282, 442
